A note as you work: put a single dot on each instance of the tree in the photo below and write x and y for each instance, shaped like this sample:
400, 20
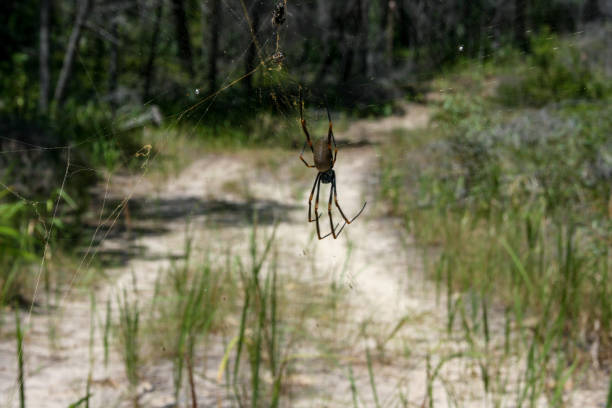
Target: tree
363, 11
43, 57
387, 26
215, 28
113, 69
83, 8
520, 35
182, 35
591, 11
150, 64
252, 14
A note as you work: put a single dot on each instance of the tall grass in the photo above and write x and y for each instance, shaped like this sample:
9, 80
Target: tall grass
129, 338
194, 301
17, 248
20, 370
264, 343
92, 331
511, 210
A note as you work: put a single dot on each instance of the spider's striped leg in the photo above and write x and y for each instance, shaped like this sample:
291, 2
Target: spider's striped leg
317, 208
338, 205
330, 136
331, 222
303, 122
317, 214
310, 199
302, 157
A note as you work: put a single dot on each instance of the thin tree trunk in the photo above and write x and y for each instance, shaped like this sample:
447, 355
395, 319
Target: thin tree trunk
99, 57
591, 11
520, 16
113, 68
215, 28
252, 51
347, 65
354, 34
182, 35
43, 57
150, 65
333, 41
389, 20
364, 15
73, 42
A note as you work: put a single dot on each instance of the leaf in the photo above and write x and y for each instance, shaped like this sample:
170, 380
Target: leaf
519, 265
9, 232
73, 205
8, 211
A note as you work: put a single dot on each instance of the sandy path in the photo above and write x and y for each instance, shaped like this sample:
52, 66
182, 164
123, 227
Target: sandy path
383, 280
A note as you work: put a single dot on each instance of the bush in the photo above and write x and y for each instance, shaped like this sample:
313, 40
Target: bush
554, 71
17, 246
518, 204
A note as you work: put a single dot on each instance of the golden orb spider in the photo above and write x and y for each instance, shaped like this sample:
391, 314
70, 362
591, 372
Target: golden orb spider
324, 162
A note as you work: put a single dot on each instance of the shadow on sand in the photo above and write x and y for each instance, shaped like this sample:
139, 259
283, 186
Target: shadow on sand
152, 216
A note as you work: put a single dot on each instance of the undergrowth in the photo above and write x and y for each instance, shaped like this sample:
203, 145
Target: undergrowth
512, 211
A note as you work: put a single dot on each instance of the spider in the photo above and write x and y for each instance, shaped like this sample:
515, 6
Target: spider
324, 162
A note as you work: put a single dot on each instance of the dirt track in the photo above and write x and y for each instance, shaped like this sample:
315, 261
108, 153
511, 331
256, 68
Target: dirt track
383, 277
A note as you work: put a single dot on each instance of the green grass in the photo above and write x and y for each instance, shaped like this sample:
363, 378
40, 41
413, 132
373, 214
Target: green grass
20, 358
129, 337
196, 300
510, 208
262, 315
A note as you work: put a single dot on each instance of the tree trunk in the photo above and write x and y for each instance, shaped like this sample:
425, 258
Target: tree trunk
182, 35
113, 68
43, 57
520, 16
363, 12
388, 21
333, 41
252, 51
73, 42
353, 51
150, 65
591, 11
215, 28
347, 64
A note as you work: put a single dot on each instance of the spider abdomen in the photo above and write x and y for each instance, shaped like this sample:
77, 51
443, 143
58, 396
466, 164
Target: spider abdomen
322, 155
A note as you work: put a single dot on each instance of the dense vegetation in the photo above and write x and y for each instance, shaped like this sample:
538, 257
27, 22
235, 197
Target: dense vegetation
513, 206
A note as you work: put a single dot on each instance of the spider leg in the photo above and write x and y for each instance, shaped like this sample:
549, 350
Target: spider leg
302, 158
338, 205
318, 183
303, 122
310, 199
331, 222
330, 136
317, 214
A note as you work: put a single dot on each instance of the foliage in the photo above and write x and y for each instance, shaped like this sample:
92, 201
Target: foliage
16, 221
517, 205
555, 71
129, 336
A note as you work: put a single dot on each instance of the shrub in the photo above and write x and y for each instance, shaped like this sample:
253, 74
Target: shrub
554, 71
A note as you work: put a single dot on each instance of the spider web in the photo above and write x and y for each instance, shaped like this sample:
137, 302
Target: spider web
266, 49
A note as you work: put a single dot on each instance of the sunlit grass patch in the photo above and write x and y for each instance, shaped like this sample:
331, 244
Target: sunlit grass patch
239, 315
